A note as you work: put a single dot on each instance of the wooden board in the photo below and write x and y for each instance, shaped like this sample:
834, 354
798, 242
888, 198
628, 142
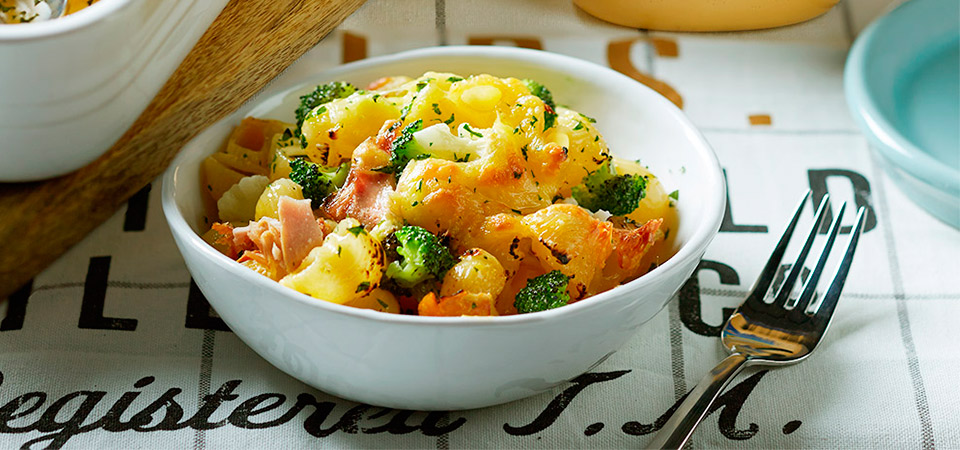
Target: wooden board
248, 45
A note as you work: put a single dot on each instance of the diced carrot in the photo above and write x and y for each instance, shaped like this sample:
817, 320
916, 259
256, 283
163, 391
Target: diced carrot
220, 236
461, 304
224, 238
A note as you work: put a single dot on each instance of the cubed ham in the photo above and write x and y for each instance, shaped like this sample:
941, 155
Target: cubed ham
263, 236
365, 197
299, 231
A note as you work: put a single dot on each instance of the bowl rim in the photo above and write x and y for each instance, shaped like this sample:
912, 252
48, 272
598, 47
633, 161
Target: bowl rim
63, 25
873, 121
694, 247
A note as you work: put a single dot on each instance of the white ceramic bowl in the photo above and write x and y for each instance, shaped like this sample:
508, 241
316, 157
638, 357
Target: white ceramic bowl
443, 363
72, 86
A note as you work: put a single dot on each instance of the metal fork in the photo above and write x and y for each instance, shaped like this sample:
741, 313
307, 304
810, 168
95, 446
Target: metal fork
775, 333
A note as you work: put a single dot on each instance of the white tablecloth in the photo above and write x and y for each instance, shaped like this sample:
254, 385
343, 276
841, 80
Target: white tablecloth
114, 347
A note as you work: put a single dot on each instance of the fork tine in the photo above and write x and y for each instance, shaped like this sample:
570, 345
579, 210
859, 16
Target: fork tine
810, 287
829, 302
797, 267
755, 297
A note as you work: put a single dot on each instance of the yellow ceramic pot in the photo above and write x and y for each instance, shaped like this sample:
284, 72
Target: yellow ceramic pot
705, 15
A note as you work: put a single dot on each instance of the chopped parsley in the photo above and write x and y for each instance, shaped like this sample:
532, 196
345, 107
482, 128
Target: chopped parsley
470, 130
357, 230
549, 119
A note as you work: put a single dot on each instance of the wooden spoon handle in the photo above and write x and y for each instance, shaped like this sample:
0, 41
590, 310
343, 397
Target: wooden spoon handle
248, 45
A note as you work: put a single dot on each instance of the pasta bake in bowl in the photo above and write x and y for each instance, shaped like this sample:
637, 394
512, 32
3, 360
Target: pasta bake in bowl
446, 228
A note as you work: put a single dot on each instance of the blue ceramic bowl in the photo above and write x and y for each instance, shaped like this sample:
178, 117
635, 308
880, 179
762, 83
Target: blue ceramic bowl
901, 82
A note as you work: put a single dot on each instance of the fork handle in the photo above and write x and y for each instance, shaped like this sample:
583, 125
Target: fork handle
678, 429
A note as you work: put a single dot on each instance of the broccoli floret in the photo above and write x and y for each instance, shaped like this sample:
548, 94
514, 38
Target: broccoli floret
545, 292
436, 141
404, 148
549, 113
317, 182
421, 256
540, 91
604, 189
324, 93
